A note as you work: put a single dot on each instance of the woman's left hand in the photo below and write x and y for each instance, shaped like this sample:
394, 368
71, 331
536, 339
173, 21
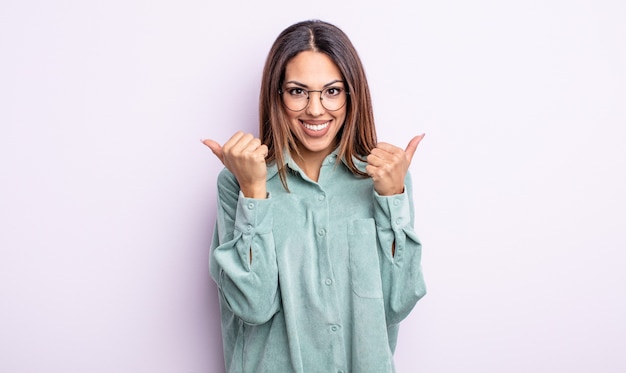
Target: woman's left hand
388, 165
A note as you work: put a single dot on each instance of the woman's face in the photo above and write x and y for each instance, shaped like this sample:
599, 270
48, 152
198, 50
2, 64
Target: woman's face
315, 127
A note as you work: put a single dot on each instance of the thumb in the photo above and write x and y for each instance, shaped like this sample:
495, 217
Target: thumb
412, 147
215, 148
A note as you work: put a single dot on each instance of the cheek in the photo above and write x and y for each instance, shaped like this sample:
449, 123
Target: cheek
342, 118
290, 115
290, 118
293, 122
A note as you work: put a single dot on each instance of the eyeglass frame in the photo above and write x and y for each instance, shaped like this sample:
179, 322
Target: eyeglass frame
308, 96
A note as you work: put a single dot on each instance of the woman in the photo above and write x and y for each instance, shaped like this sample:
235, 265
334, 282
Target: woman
314, 253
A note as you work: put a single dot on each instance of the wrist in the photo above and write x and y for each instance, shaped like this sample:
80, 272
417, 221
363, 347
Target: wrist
390, 192
254, 191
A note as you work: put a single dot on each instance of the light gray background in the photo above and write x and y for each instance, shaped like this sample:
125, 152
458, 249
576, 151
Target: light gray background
107, 196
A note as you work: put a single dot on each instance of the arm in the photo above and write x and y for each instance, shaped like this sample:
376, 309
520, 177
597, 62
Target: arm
243, 257
400, 253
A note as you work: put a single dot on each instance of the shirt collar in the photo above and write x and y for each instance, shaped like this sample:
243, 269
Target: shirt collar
272, 169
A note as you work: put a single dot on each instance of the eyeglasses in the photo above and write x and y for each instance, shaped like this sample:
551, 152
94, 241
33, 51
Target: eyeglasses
297, 99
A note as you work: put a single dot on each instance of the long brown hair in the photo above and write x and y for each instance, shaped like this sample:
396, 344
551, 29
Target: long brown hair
357, 136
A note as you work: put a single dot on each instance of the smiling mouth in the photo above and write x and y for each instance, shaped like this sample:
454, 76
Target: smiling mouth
315, 127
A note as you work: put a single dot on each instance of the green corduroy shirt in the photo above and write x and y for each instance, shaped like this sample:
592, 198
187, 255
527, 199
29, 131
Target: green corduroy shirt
322, 291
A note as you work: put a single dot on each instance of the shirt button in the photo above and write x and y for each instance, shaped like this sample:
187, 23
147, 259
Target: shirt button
398, 221
396, 202
328, 282
250, 206
321, 197
249, 228
334, 328
321, 232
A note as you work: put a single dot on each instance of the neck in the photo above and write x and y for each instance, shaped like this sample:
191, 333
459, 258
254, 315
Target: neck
311, 164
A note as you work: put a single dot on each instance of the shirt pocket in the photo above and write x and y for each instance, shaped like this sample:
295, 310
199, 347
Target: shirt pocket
364, 262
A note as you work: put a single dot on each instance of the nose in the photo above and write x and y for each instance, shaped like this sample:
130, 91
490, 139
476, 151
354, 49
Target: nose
315, 107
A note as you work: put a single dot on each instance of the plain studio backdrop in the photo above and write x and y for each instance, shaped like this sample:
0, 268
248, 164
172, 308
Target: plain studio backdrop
107, 196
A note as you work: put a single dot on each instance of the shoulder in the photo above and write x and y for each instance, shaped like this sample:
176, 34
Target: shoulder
359, 162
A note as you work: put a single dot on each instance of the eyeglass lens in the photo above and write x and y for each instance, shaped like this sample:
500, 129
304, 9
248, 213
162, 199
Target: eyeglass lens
297, 99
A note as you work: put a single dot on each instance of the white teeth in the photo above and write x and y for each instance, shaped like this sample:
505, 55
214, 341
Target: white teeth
315, 127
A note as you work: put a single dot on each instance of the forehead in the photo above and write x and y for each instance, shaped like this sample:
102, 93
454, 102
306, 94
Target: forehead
312, 68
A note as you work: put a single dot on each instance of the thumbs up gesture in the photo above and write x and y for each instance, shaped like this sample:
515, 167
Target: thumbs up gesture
244, 156
388, 165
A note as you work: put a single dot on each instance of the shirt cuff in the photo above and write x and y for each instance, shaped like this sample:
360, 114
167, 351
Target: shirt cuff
254, 216
392, 212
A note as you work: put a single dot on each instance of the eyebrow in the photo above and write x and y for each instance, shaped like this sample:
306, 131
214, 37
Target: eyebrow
306, 86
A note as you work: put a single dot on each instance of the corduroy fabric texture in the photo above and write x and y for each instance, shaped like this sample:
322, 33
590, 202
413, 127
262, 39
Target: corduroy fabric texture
322, 291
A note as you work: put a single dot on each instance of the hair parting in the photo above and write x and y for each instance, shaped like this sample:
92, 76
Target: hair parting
357, 137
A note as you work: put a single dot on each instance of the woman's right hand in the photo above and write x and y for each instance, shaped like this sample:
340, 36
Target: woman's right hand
244, 156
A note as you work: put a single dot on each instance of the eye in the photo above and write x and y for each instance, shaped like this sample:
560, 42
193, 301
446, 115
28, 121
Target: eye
296, 92
333, 91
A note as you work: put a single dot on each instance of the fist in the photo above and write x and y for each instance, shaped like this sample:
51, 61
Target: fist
244, 156
387, 165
